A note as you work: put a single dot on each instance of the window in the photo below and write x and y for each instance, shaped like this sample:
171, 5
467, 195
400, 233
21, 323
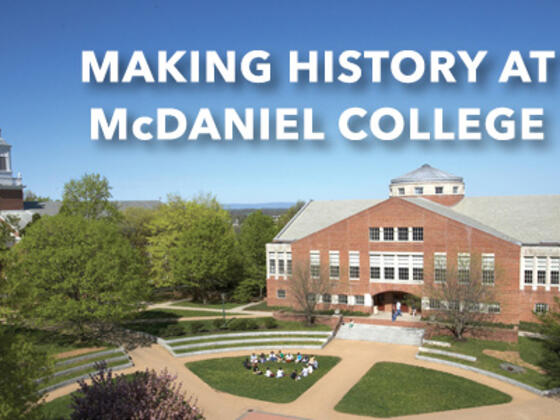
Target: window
403, 273
488, 268
3, 163
374, 234
359, 300
389, 263
281, 264
389, 273
311, 297
354, 263
388, 233
417, 233
342, 299
453, 305
418, 190
327, 298
272, 262
455, 190
435, 304
281, 294
403, 234
334, 264
315, 263
528, 264
289, 263
463, 267
403, 262
374, 266
493, 308
418, 267
418, 274
554, 270
541, 270
401, 191
440, 267
541, 308
439, 190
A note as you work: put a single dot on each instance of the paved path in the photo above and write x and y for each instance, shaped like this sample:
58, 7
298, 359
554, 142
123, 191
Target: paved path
318, 402
238, 309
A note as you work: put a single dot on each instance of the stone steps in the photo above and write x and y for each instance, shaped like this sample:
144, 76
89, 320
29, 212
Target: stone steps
382, 334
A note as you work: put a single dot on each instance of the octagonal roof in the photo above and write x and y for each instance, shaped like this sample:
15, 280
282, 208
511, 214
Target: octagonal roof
426, 173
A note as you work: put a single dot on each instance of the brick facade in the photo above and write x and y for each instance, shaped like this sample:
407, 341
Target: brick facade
441, 234
11, 199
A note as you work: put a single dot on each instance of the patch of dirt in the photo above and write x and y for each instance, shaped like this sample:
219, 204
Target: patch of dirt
512, 357
77, 352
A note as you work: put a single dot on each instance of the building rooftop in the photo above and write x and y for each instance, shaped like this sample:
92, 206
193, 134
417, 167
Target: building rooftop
426, 173
520, 219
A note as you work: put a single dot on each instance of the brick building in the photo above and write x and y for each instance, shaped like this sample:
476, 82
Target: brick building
378, 251
11, 188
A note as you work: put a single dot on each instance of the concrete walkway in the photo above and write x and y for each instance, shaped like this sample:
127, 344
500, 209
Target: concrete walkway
242, 309
319, 401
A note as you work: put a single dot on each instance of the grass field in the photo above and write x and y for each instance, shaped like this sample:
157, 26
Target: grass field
529, 350
57, 409
394, 389
228, 375
177, 313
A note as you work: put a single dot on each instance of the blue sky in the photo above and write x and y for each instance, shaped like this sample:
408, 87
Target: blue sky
44, 107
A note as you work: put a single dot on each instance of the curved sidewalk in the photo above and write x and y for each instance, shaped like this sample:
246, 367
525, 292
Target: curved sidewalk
319, 401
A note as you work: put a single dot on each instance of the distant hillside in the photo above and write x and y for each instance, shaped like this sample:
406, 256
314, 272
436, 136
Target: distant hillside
257, 206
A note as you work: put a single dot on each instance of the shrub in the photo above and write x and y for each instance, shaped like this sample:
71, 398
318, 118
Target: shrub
270, 323
144, 395
251, 324
174, 330
246, 290
238, 324
197, 327
218, 324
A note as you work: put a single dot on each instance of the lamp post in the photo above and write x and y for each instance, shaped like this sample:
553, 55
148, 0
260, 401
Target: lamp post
224, 309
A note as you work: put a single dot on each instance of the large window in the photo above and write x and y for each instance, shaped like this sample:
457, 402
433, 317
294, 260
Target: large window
281, 294
528, 264
403, 262
418, 267
439, 190
327, 298
554, 270
374, 234
315, 263
354, 264
463, 267
488, 268
289, 263
494, 308
403, 234
418, 190
359, 299
435, 304
342, 299
398, 266
334, 264
374, 266
541, 270
388, 234
440, 267
417, 233
389, 267
281, 264
272, 262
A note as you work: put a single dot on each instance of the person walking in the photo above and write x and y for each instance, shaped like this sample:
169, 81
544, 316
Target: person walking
393, 313
399, 308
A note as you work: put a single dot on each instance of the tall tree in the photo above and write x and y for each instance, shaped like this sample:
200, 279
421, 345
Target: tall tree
257, 230
73, 273
464, 296
288, 215
135, 226
29, 195
305, 285
88, 197
550, 359
20, 363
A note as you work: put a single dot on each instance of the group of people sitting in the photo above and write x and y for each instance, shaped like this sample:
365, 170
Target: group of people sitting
309, 364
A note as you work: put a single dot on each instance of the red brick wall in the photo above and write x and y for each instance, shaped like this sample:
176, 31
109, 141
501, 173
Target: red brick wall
440, 235
494, 334
11, 199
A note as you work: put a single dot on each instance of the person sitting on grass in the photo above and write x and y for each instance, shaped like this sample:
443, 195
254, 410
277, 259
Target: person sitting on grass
315, 364
305, 359
256, 371
280, 373
289, 358
246, 364
298, 357
295, 375
269, 373
280, 356
254, 359
272, 357
310, 368
304, 372
262, 358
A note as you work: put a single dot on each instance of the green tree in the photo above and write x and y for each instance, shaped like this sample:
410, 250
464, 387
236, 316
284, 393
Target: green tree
550, 360
256, 231
88, 197
29, 195
288, 215
20, 363
75, 274
136, 226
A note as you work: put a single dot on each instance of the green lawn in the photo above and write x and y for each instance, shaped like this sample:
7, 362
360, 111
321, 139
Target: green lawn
228, 305
394, 389
228, 375
528, 348
57, 409
162, 328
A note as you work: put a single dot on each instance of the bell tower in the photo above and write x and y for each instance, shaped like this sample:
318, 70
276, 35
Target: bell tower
11, 188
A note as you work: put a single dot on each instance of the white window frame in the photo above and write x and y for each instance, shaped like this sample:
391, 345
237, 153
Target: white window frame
353, 262
394, 261
334, 262
315, 263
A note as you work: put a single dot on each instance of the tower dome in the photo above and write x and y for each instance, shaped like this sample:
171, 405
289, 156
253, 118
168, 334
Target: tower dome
431, 183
